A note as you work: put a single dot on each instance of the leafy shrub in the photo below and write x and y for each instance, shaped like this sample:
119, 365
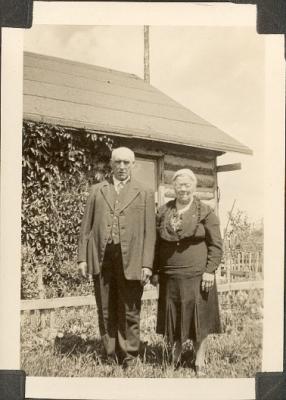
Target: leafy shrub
58, 166
241, 234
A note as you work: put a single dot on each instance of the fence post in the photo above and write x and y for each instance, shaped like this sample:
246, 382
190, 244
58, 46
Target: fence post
250, 268
41, 287
256, 268
228, 278
52, 319
238, 265
228, 270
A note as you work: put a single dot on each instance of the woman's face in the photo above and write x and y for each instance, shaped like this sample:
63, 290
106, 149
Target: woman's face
184, 188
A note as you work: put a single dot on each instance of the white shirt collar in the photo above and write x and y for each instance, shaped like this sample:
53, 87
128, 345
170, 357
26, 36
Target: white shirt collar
116, 181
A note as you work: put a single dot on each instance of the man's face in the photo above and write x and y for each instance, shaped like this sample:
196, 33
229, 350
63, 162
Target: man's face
122, 165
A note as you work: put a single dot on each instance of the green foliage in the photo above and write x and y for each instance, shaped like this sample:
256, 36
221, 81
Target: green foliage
59, 164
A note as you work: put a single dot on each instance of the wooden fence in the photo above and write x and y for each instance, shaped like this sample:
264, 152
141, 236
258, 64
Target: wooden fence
241, 265
44, 308
238, 271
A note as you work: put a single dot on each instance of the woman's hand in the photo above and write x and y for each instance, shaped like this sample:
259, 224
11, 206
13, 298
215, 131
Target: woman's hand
155, 279
207, 281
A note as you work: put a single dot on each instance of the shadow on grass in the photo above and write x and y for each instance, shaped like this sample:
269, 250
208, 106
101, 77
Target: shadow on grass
71, 344
157, 354
160, 354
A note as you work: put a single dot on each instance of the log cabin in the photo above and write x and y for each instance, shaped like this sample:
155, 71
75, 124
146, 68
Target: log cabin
164, 134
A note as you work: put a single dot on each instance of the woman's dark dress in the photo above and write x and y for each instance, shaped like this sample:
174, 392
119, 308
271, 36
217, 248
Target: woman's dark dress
184, 252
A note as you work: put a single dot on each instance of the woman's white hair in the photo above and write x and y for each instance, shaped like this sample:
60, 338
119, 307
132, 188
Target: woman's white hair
185, 172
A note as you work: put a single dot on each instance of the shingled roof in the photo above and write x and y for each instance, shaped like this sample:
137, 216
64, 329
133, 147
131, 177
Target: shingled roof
80, 95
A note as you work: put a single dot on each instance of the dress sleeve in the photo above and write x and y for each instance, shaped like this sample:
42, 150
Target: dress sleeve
213, 241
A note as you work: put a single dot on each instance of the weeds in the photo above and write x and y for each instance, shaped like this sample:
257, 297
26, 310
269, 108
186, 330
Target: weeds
74, 349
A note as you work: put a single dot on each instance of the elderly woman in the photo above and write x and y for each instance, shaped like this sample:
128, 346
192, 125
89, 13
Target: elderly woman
189, 250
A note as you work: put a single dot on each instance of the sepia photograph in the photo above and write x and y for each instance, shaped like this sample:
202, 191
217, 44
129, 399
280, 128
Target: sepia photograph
144, 216
96, 119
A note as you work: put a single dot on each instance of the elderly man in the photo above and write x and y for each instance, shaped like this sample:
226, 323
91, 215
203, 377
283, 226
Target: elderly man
116, 246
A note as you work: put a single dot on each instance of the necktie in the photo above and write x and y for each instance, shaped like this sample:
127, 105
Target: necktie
120, 187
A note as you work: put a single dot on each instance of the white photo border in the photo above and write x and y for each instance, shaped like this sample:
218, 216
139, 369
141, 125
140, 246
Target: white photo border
82, 13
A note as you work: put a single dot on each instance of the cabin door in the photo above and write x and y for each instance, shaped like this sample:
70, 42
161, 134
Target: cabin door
146, 172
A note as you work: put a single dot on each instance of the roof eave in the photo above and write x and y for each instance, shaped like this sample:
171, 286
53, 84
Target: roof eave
120, 132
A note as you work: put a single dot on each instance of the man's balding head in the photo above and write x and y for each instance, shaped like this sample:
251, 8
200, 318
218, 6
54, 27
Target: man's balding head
123, 152
122, 162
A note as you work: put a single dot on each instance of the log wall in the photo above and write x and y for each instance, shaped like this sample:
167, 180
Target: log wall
204, 169
171, 158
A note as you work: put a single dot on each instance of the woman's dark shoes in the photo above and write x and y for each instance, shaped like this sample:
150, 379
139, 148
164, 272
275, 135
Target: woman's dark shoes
187, 360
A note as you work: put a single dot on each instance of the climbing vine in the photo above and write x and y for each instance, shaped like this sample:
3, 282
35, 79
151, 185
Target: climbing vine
58, 166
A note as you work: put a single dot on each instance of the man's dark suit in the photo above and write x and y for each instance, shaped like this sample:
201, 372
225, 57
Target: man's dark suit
117, 239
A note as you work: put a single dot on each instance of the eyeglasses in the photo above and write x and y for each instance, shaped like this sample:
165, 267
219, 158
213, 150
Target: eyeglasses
185, 185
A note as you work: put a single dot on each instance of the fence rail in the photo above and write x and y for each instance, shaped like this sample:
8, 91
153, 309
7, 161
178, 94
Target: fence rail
151, 294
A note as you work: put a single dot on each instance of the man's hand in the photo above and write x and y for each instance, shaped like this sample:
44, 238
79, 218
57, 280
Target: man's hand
207, 281
155, 279
82, 269
145, 276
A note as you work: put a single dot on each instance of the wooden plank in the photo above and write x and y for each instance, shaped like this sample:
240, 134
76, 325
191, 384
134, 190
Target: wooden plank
228, 167
203, 195
101, 100
160, 149
118, 122
40, 283
45, 304
109, 118
175, 162
52, 319
88, 71
235, 286
201, 134
200, 190
196, 154
36, 58
206, 181
66, 81
151, 294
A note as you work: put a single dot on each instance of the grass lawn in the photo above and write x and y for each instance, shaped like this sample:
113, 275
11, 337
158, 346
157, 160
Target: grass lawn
73, 348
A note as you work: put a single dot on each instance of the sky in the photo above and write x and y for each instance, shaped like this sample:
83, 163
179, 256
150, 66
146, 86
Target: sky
217, 72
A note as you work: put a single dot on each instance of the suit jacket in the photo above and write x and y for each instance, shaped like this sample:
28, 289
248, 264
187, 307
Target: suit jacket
137, 228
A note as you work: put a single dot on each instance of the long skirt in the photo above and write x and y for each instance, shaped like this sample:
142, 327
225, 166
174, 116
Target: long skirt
185, 311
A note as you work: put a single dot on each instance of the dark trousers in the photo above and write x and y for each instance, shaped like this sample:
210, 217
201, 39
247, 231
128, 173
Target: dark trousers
119, 302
